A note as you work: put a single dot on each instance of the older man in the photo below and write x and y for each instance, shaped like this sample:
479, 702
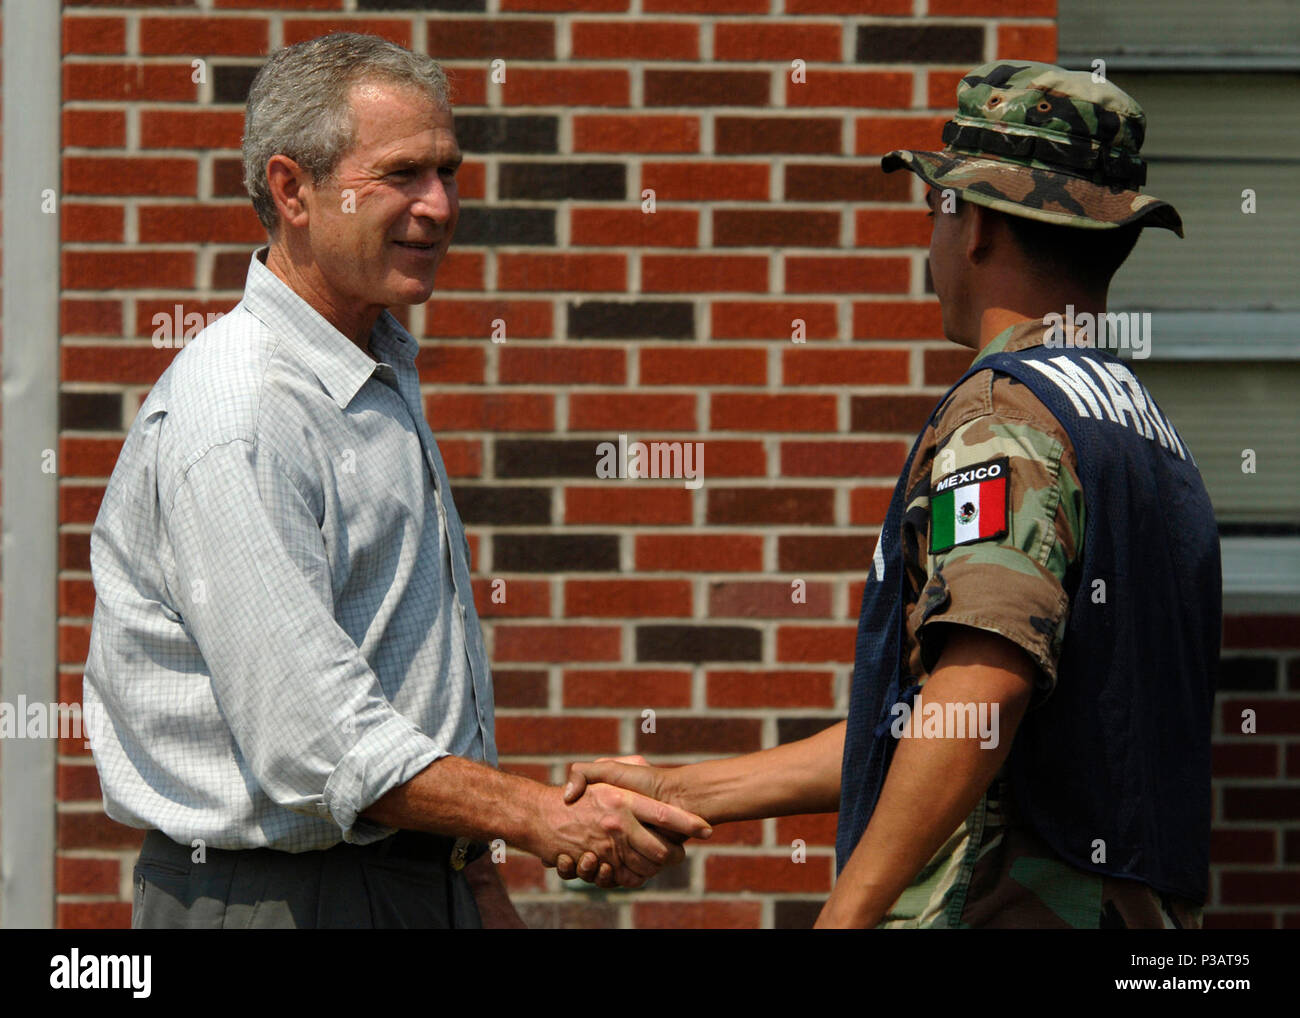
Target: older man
285, 644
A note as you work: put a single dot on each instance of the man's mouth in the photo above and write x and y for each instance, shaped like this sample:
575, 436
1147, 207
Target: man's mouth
417, 246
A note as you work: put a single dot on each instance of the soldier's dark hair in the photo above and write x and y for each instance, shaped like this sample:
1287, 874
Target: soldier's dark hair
1090, 256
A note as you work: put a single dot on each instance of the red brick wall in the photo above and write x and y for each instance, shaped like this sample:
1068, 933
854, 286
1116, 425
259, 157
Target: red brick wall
620, 597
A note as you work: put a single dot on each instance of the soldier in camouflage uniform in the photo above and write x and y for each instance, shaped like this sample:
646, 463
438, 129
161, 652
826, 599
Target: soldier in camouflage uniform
1038, 143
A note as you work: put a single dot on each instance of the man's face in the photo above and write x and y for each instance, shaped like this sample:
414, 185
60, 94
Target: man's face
379, 228
947, 263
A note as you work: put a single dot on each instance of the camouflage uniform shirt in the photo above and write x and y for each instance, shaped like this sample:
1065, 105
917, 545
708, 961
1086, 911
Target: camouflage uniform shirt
994, 870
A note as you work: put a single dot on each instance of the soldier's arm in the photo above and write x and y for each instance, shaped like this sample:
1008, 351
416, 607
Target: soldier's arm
932, 784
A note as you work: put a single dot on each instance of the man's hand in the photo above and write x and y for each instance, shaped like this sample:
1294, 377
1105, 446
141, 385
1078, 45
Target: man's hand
627, 836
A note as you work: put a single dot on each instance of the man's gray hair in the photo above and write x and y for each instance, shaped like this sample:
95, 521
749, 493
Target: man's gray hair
298, 104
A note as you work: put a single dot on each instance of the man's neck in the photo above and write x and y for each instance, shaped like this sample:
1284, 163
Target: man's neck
357, 328
996, 320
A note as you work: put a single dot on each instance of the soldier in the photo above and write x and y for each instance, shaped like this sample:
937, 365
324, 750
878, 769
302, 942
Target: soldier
1029, 725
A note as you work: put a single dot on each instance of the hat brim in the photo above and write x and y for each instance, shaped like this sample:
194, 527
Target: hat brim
1034, 193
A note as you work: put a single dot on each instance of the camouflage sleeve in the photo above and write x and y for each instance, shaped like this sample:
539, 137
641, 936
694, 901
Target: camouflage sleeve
1005, 525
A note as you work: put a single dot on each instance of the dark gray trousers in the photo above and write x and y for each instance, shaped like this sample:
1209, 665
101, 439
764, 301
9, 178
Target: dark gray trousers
403, 882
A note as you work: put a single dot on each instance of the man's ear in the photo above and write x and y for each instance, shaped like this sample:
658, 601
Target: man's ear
287, 182
983, 226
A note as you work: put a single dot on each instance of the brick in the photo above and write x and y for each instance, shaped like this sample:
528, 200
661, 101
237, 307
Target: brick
113, 363
695, 736
722, 366
1259, 887
76, 596
921, 44
763, 135
129, 175
589, 181
767, 874
601, 133
104, 36
394, 30
547, 458
606, 272
868, 506
811, 828
1290, 846
995, 8
844, 367
1272, 716
461, 270
626, 411
1242, 802
84, 224
494, 225
705, 6
770, 505
519, 687
710, 272
568, 737
79, 503
89, 411
1246, 760
90, 317
1027, 42
1274, 632
844, 183
1243, 845
891, 228
191, 129
631, 598
95, 830
847, 274
495, 132
556, 643
522, 598
96, 915
200, 224
128, 83
794, 729
130, 269
768, 228
770, 689
94, 129
768, 600
780, 41
627, 687
744, 412
74, 551
737, 458
497, 411
698, 643
878, 135
796, 914
86, 876
842, 459
530, 86
87, 457
697, 915
463, 458
563, 6
231, 83
684, 181
511, 507
707, 88
941, 88
816, 643
634, 228
943, 367
468, 84
699, 553
634, 40
904, 414
520, 319
899, 320
642, 319
772, 320
855, 89
568, 915
522, 872
553, 553
562, 365
78, 782
204, 36
628, 504
183, 315
517, 38
824, 554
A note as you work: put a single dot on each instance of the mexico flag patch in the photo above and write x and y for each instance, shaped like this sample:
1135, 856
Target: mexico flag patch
969, 505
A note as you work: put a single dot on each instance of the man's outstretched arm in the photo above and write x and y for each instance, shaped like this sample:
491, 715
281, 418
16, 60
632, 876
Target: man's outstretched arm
933, 784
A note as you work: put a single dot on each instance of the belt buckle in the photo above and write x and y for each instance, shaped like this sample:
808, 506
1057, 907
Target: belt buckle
460, 853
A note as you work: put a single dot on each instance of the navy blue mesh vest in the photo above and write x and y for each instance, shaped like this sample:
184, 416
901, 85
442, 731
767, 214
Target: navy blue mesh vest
1120, 752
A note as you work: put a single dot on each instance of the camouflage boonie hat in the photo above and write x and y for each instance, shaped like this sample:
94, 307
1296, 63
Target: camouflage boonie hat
1038, 141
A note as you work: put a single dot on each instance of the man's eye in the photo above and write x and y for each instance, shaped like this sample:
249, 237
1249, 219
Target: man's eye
404, 172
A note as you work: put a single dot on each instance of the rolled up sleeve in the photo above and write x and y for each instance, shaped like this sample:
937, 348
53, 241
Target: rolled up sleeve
253, 584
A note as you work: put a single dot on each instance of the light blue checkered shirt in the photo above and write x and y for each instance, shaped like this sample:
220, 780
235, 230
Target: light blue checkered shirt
284, 625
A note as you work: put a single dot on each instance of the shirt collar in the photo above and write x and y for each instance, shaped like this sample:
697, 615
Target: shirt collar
342, 367
1020, 336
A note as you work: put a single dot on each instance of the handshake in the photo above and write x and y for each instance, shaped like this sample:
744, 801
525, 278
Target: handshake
620, 822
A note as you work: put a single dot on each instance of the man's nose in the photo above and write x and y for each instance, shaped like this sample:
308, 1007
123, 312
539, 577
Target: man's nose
438, 200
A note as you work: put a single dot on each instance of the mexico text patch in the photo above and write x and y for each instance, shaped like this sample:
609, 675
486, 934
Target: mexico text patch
969, 505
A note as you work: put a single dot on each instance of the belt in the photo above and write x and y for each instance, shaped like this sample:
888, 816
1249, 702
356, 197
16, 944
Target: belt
458, 852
